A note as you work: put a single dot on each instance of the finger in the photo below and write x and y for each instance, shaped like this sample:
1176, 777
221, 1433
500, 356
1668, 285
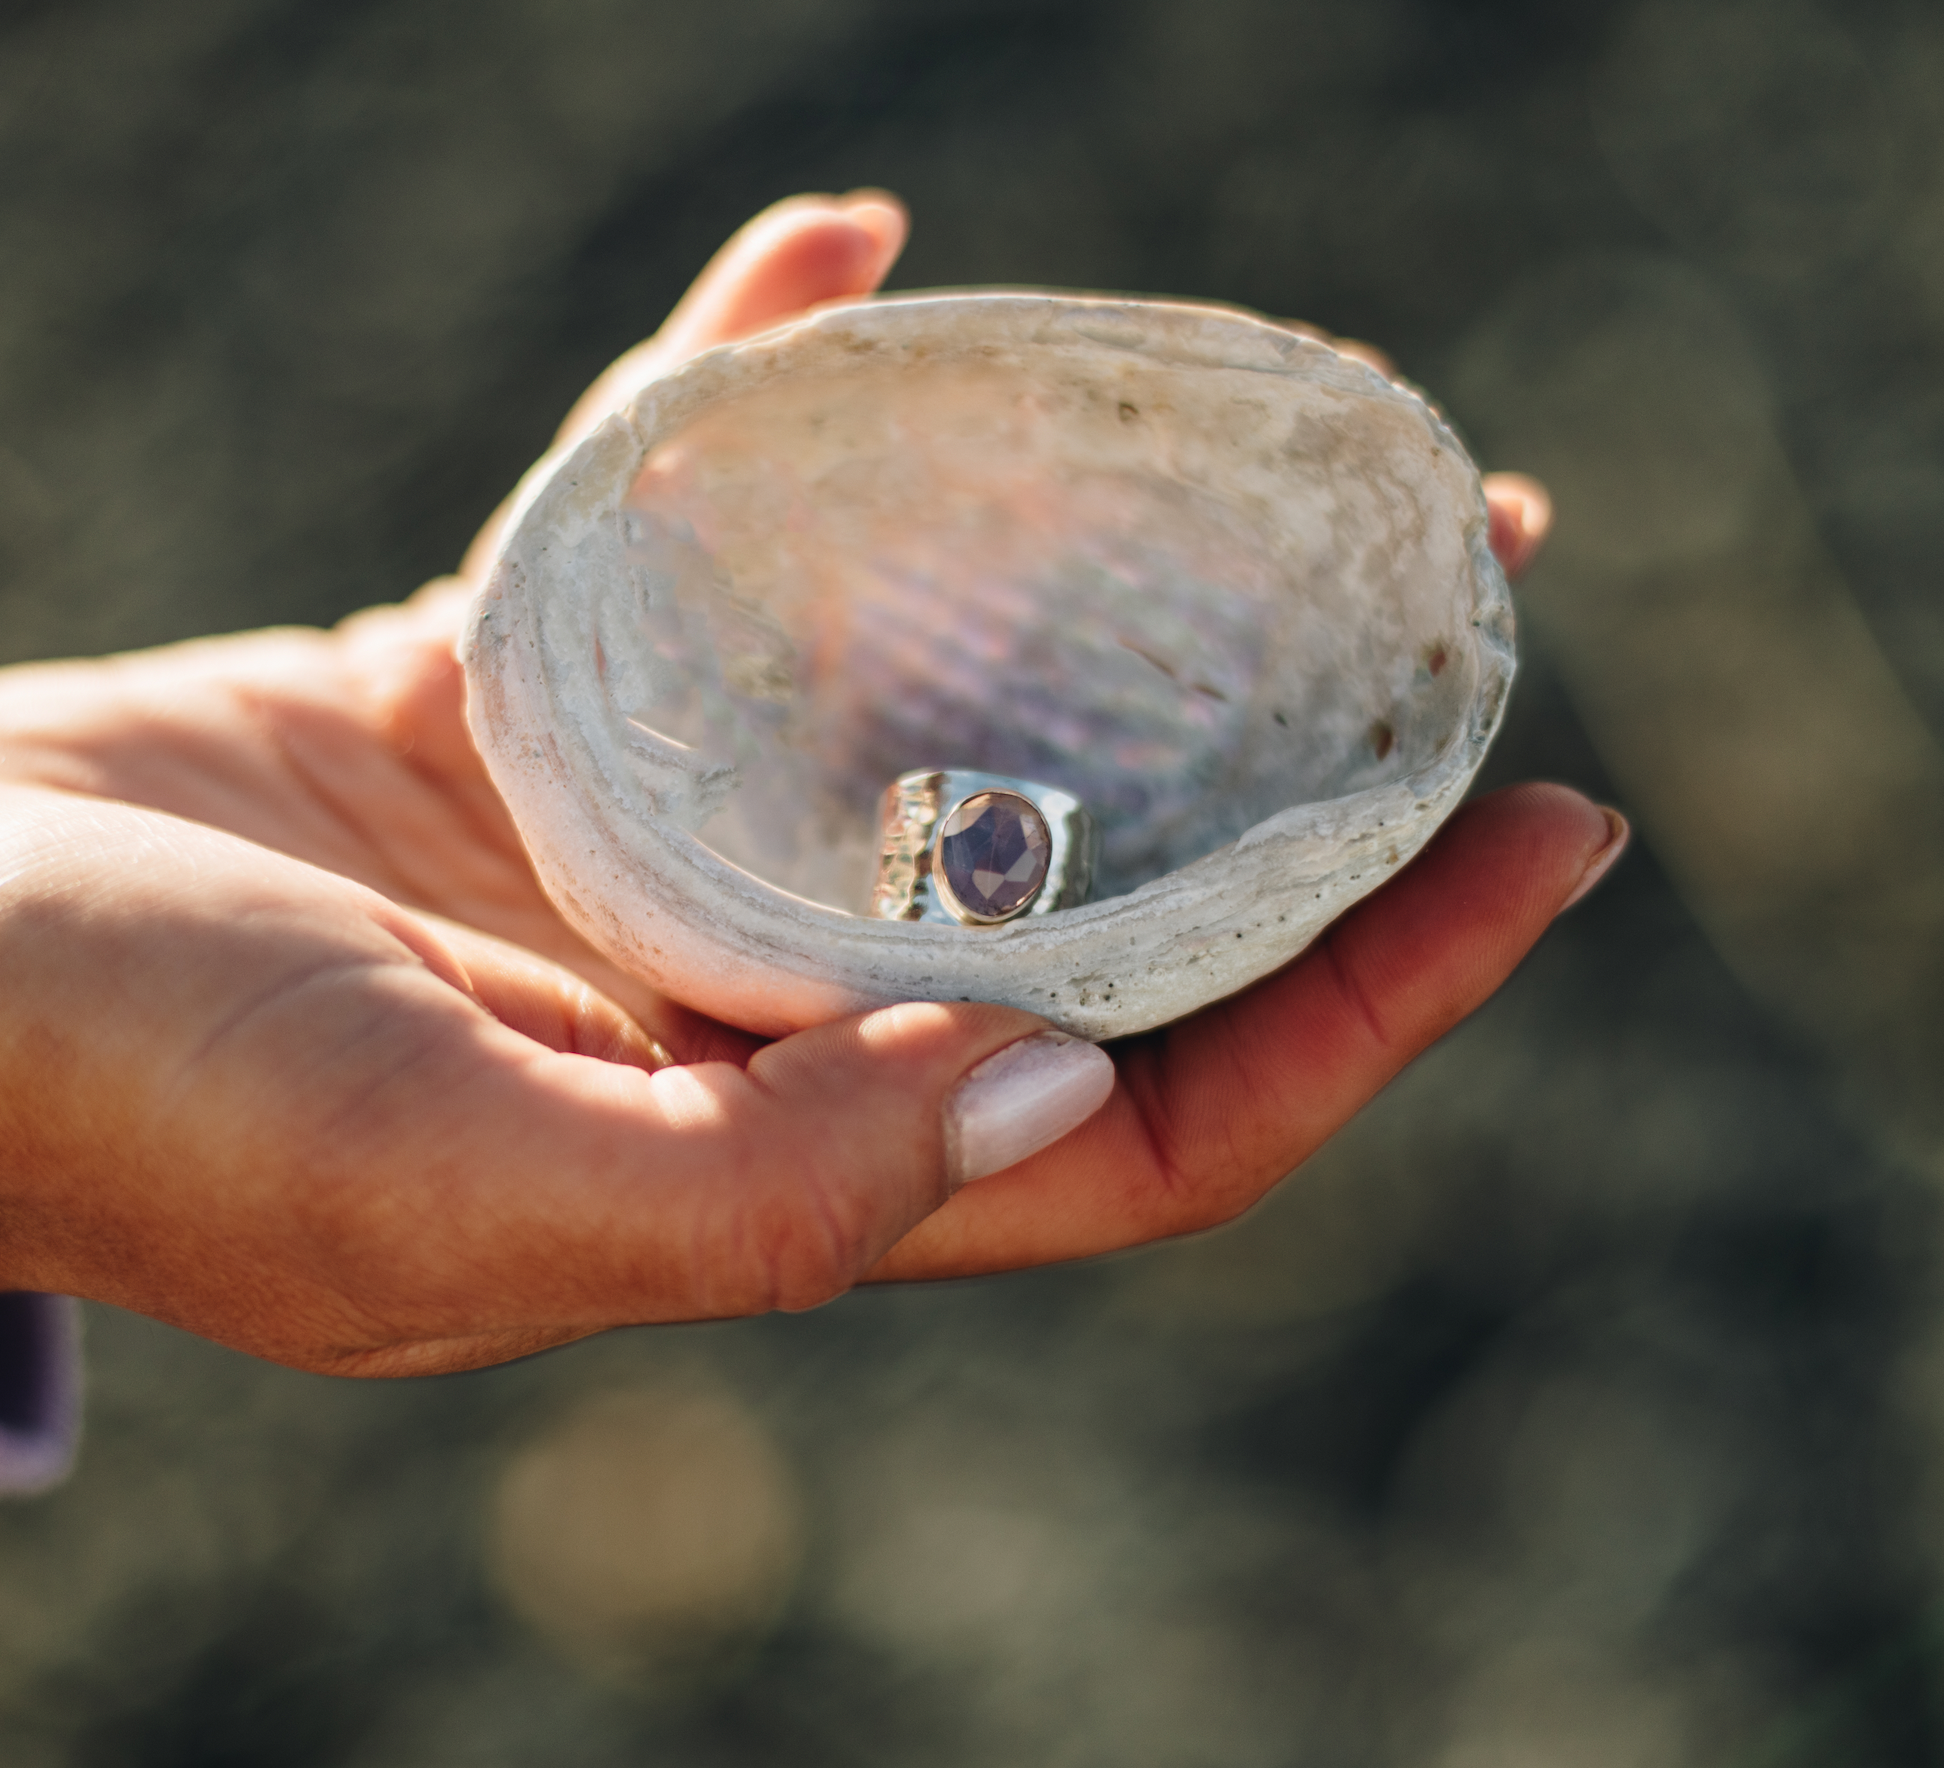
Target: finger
523, 1196
1522, 516
1368, 354
1208, 1115
543, 1001
1355, 348
550, 1002
1521, 510
803, 251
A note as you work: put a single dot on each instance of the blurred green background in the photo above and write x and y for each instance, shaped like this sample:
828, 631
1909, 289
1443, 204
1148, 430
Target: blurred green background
1583, 1405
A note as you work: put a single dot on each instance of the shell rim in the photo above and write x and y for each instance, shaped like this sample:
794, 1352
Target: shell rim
548, 493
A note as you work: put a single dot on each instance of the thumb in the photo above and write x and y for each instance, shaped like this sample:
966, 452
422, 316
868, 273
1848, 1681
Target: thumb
574, 1194
777, 1185
1026, 1086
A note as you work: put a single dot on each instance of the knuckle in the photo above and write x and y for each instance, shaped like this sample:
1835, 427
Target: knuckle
1358, 1000
812, 1235
1187, 1194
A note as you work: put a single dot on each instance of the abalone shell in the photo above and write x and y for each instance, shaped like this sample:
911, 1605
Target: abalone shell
1228, 586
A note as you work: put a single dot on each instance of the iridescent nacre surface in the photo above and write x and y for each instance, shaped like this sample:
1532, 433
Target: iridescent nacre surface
1228, 587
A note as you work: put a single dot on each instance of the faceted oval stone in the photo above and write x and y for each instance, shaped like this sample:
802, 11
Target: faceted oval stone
993, 851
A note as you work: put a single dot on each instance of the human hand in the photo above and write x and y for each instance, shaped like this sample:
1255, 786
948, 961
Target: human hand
293, 1052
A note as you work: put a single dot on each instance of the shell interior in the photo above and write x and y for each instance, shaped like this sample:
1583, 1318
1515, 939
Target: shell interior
1224, 585
1187, 604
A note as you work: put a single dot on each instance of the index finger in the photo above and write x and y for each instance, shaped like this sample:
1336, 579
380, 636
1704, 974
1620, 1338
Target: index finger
1208, 1114
795, 255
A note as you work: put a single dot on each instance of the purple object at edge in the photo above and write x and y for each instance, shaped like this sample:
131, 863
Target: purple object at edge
40, 1390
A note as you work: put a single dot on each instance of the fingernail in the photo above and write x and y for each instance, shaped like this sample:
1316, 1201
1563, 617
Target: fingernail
1021, 1098
1602, 862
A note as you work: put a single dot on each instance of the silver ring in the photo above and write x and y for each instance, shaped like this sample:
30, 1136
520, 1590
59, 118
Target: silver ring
980, 849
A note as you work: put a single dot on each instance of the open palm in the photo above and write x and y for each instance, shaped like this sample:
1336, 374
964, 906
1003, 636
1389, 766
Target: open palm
293, 1050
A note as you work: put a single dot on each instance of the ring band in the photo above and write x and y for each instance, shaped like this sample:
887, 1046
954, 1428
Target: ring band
980, 849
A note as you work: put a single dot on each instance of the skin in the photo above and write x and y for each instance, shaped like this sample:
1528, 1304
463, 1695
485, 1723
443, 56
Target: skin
294, 1053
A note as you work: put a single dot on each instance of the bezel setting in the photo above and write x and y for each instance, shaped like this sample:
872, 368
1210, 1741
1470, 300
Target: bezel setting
912, 882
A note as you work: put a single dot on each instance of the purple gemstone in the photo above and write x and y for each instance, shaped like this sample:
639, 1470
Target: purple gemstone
993, 851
